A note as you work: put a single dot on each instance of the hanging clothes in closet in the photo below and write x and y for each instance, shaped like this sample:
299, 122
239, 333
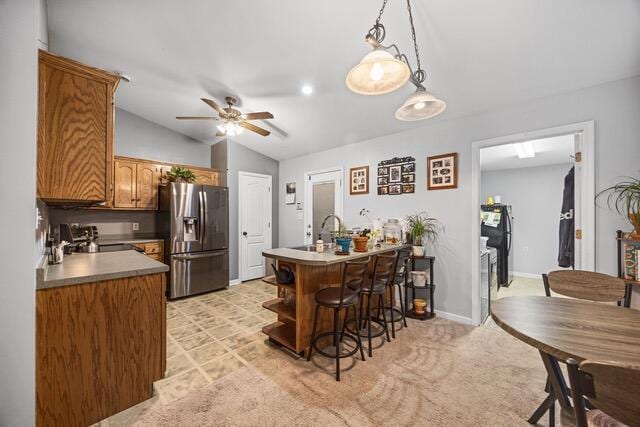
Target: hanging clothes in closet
567, 232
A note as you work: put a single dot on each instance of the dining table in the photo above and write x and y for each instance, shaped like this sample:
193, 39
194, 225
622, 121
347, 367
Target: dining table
563, 328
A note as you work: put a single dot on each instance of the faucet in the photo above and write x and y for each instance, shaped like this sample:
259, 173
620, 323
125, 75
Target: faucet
324, 223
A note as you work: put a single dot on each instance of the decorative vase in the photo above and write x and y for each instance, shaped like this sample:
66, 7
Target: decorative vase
360, 244
634, 219
419, 306
419, 278
344, 243
418, 251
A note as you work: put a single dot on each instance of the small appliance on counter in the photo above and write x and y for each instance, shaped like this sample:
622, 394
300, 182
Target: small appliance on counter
81, 238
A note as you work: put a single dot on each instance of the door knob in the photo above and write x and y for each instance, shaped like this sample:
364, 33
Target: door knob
244, 233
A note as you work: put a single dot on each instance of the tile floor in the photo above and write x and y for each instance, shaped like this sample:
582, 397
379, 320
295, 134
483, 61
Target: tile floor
208, 336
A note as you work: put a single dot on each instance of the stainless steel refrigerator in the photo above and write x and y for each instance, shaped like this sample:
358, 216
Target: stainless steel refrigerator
500, 237
194, 221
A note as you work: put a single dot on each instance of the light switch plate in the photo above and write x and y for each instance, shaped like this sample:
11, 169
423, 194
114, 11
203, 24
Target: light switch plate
136, 226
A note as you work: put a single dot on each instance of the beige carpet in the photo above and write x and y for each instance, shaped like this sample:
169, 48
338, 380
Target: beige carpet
435, 373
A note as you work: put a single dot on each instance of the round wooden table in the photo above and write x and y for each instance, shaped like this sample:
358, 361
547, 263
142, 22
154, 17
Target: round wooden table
563, 328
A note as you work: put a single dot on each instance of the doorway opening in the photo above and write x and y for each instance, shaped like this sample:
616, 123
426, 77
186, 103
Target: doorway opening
255, 217
534, 195
322, 198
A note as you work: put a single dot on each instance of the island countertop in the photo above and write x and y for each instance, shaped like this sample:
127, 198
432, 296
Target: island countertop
328, 257
95, 267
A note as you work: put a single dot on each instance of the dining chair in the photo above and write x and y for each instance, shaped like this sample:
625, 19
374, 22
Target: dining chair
612, 391
586, 285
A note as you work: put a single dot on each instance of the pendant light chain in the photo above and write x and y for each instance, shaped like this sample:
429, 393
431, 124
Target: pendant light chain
419, 74
378, 31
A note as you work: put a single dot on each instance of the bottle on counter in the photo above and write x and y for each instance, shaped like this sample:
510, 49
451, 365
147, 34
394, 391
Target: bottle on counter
319, 244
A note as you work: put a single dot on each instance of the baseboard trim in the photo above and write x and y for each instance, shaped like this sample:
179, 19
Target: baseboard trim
455, 317
527, 275
234, 282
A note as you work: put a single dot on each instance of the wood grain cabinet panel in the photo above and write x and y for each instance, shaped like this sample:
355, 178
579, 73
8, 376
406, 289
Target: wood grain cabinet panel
99, 348
125, 184
147, 180
206, 177
75, 131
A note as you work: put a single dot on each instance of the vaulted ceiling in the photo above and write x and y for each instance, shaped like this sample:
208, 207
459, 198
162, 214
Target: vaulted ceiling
478, 55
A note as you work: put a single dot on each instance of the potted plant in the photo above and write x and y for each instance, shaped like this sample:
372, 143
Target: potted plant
343, 240
180, 174
625, 197
361, 241
421, 226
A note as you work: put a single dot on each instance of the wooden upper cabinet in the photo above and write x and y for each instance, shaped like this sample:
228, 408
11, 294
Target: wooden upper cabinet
125, 184
206, 177
147, 180
75, 131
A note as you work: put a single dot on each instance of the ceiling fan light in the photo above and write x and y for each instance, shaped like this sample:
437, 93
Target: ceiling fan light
419, 106
377, 73
230, 128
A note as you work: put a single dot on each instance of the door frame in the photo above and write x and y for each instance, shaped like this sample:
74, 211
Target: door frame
308, 194
587, 205
242, 174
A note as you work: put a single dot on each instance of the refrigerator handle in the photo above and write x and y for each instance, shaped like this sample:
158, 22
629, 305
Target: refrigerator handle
202, 200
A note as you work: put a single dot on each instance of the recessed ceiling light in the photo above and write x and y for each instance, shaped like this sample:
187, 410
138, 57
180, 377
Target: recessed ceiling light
524, 150
307, 89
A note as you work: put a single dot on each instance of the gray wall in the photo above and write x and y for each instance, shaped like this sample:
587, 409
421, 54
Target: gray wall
138, 137
19, 91
240, 158
535, 195
614, 106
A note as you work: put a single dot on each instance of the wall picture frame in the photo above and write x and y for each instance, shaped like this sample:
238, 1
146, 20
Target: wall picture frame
396, 176
359, 180
442, 171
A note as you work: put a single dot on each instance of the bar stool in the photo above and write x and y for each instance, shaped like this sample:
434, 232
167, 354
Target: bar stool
399, 279
384, 269
337, 298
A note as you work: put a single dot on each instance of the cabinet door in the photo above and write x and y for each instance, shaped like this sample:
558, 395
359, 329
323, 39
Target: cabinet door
206, 177
75, 131
125, 184
147, 179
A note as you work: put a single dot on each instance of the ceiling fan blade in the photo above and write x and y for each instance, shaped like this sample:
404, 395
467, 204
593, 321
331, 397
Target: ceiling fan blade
213, 105
256, 116
195, 118
254, 128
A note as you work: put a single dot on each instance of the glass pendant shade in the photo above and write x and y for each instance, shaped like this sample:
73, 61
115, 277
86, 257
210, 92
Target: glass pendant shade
230, 128
419, 106
378, 73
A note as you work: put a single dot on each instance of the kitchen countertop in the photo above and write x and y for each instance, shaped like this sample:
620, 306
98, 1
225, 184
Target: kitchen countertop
115, 239
86, 268
324, 258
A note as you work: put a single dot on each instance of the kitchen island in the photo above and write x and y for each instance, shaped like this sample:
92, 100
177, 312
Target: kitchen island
295, 303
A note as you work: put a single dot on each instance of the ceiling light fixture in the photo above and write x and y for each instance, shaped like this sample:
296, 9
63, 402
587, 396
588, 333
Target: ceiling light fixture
307, 89
524, 150
230, 128
386, 69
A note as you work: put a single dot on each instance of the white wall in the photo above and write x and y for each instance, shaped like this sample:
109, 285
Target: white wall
535, 195
138, 137
614, 106
19, 91
240, 158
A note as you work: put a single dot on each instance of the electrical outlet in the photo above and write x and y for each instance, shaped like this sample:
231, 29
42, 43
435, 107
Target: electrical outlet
136, 226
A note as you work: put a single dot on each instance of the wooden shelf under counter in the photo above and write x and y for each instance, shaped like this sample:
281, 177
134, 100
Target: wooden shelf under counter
272, 281
284, 311
283, 333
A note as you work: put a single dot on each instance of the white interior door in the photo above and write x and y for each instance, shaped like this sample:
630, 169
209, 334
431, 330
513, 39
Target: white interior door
322, 196
255, 223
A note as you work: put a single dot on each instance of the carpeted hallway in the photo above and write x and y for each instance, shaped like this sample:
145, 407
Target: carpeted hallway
435, 373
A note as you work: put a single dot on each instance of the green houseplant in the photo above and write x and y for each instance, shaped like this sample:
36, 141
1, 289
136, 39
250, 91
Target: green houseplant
624, 196
180, 174
421, 226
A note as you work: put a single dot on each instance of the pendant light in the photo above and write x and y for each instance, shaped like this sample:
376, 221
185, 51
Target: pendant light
382, 71
419, 106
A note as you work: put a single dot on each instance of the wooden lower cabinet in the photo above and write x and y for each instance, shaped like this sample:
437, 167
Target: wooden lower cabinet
99, 348
153, 250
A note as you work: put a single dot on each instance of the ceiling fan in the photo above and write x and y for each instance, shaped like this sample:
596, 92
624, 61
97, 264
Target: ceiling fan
233, 121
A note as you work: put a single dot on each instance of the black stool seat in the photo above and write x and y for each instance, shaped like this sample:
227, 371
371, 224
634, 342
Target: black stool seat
371, 288
330, 297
